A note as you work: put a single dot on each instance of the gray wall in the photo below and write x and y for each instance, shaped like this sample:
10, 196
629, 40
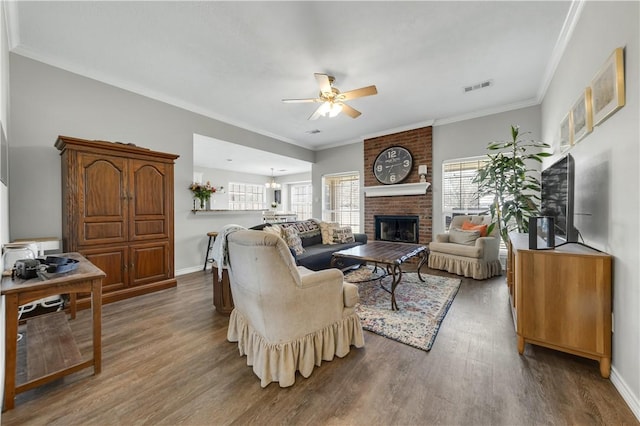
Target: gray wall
607, 197
470, 139
47, 102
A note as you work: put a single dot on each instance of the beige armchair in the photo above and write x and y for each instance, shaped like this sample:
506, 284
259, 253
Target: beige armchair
466, 252
287, 318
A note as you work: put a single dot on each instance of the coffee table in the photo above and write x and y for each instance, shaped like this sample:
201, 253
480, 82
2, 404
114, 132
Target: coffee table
390, 254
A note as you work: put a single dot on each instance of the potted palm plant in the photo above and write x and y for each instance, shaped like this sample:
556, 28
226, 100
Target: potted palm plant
510, 180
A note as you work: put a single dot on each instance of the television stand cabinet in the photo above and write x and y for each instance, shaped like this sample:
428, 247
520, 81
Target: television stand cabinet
561, 298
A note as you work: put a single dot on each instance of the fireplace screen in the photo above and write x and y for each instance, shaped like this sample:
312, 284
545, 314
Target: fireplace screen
397, 228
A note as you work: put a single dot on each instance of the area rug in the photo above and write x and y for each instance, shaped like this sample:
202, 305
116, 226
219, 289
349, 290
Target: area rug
423, 306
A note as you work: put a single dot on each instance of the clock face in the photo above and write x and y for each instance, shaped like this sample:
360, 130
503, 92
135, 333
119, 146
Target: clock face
393, 165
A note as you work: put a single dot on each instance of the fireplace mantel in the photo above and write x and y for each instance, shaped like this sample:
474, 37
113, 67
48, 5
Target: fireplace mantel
398, 189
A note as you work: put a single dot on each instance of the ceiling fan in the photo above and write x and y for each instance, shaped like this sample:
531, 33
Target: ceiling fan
333, 100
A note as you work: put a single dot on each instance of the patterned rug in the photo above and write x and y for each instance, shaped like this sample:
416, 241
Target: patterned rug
423, 306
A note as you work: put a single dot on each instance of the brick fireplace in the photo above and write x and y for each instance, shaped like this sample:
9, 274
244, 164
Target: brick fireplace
419, 143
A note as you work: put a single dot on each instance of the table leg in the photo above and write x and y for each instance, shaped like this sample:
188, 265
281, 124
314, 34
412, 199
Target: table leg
396, 272
423, 259
96, 310
11, 343
73, 299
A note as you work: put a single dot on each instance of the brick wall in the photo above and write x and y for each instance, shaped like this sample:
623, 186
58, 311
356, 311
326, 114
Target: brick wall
419, 143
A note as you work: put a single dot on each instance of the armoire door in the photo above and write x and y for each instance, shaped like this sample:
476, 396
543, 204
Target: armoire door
150, 183
150, 262
114, 261
102, 200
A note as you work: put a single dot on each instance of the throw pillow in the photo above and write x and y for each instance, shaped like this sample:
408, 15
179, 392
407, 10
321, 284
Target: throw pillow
273, 229
343, 235
306, 228
326, 229
468, 226
460, 236
293, 240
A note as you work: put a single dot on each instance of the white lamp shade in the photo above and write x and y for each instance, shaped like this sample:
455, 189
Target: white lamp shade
422, 169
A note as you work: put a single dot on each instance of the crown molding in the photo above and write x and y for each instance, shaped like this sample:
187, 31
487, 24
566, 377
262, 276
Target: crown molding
575, 10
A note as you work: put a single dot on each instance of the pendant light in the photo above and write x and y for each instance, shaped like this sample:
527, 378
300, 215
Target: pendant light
272, 184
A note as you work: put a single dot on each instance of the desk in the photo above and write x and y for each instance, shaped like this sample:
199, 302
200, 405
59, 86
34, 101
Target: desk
86, 279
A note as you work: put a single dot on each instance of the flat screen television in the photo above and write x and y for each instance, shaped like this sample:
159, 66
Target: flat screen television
558, 186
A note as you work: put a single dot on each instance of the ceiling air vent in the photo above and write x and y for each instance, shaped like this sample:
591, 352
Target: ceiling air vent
478, 86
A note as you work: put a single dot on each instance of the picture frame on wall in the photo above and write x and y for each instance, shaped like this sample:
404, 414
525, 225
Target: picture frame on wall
582, 116
565, 133
607, 87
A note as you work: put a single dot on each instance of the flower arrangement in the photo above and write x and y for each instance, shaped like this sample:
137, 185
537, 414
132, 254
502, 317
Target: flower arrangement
202, 191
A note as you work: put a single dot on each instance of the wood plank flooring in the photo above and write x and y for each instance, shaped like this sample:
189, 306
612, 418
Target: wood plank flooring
166, 361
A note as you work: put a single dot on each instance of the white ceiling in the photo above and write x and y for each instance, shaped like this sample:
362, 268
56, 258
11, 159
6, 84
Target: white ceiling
236, 61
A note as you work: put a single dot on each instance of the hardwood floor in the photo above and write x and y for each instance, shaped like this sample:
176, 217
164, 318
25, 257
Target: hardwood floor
166, 361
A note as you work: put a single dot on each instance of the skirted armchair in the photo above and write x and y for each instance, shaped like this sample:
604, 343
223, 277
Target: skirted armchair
287, 318
466, 249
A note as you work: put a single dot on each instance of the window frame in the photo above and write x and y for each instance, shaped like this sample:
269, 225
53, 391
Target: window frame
352, 215
466, 198
244, 204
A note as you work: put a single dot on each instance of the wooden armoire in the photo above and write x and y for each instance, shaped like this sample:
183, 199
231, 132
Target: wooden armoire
117, 211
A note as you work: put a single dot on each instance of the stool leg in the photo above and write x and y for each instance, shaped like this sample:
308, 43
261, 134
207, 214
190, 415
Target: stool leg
206, 256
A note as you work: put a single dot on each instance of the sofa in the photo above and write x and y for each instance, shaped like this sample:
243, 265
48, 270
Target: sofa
286, 317
319, 240
466, 249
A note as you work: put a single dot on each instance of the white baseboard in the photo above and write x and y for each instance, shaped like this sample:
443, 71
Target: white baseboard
627, 394
189, 270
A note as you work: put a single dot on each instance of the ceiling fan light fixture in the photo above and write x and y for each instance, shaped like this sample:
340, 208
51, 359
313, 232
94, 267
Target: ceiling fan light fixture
324, 109
335, 109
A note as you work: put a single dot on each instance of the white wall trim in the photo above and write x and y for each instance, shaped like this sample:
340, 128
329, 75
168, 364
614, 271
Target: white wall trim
185, 271
561, 44
625, 391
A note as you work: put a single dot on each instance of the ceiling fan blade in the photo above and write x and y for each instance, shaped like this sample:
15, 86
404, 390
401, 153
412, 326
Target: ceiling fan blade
298, 101
350, 111
323, 82
359, 93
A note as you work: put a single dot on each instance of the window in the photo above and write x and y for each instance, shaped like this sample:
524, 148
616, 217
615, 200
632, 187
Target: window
246, 196
459, 191
301, 199
341, 199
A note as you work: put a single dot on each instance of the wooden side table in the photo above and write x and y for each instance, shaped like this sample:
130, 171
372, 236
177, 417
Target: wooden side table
222, 299
50, 329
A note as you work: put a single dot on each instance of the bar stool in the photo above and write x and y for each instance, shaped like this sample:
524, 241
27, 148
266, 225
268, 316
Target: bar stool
212, 237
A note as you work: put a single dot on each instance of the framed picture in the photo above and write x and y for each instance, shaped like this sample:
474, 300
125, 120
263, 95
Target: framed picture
4, 157
607, 87
582, 116
565, 133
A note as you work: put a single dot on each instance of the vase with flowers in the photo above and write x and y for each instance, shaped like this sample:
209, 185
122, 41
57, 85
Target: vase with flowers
203, 191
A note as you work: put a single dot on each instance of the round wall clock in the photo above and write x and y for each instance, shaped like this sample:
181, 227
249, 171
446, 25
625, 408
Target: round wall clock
393, 165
